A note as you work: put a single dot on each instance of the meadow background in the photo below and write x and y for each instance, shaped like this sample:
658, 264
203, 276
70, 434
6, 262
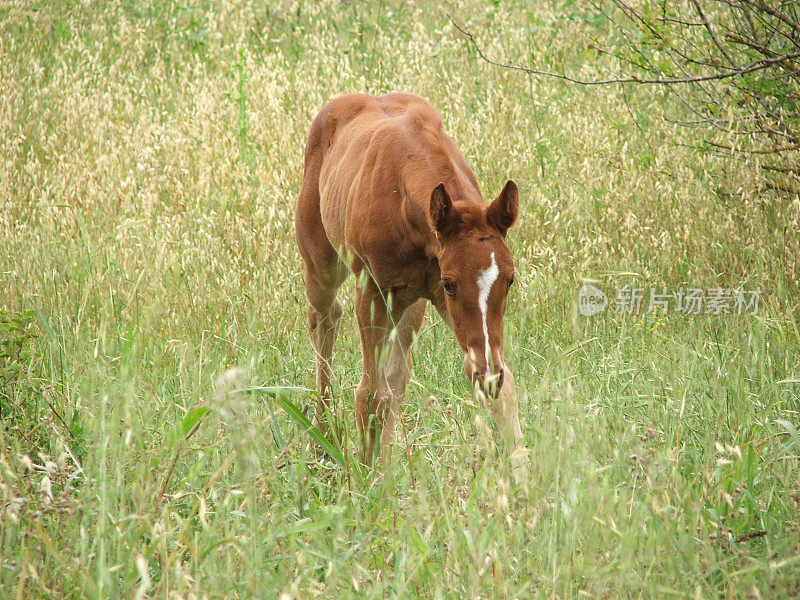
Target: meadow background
150, 157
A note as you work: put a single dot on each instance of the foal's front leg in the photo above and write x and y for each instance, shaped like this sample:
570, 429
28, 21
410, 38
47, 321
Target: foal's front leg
377, 405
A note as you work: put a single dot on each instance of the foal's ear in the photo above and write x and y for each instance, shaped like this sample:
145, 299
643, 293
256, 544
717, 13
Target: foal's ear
503, 212
443, 215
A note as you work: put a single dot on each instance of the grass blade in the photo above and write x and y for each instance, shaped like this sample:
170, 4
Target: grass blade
794, 435
188, 424
280, 394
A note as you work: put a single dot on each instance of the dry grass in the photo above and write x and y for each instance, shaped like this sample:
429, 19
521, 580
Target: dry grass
149, 163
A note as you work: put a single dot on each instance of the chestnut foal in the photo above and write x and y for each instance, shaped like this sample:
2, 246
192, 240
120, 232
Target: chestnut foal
387, 192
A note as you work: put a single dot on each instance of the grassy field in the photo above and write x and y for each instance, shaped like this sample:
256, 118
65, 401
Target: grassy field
150, 157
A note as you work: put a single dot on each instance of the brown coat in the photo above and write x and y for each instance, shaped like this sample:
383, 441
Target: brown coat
388, 195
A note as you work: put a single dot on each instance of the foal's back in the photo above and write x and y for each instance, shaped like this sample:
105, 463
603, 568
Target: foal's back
375, 160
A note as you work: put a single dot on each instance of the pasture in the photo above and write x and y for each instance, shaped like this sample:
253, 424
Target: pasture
150, 160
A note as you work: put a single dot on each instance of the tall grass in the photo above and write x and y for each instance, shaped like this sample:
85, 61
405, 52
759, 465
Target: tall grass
150, 156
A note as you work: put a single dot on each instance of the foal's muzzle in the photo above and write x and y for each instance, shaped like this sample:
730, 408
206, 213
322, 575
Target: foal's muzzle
489, 385
488, 380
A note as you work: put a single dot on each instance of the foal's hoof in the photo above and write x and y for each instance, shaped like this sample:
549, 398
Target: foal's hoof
519, 468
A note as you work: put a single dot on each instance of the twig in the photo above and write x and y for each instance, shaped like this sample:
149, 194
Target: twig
751, 535
750, 68
779, 169
163, 489
773, 150
713, 35
782, 187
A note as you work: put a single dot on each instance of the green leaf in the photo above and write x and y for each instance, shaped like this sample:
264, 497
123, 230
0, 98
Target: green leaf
304, 526
793, 433
280, 395
188, 424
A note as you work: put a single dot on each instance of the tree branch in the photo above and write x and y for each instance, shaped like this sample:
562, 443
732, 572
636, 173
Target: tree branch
744, 70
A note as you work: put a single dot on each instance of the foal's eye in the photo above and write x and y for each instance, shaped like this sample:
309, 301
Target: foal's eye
449, 287
510, 282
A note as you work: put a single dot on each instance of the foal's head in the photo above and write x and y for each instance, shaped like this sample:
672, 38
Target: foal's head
477, 272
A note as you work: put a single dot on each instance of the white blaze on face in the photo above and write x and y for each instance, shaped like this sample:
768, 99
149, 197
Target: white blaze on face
486, 280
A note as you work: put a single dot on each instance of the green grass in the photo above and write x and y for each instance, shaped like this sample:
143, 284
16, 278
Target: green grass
150, 156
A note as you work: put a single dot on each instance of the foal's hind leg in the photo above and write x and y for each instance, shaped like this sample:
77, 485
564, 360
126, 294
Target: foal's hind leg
324, 273
324, 313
